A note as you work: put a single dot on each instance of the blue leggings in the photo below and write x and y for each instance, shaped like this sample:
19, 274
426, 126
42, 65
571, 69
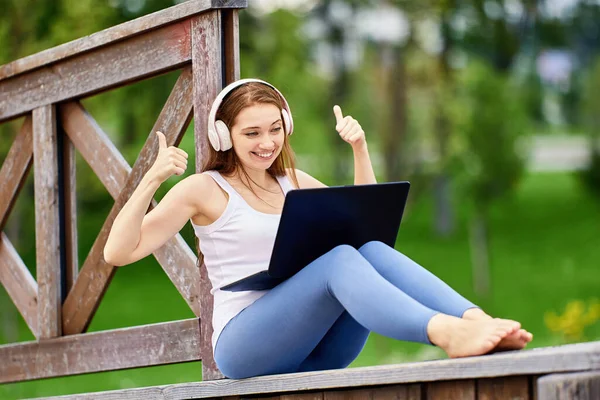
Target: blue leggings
321, 317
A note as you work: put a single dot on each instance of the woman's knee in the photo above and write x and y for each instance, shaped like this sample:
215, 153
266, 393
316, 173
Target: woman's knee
373, 246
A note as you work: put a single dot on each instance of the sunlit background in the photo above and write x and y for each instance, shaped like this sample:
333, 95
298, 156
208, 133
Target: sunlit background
490, 108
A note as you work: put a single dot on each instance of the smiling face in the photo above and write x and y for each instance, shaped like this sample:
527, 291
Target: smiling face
258, 136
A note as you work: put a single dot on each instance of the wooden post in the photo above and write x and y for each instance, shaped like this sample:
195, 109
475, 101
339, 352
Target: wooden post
579, 386
47, 221
68, 211
207, 72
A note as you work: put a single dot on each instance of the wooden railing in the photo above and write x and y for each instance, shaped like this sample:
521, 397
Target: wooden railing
198, 37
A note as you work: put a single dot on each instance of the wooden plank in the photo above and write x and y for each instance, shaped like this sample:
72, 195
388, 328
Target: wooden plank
47, 221
206, 64
15, 168
96, 274
303, 396
140, 346
231, 29
138, 57
451, 390
95, 147
579, 386
115, 33
392, 392
533, 386
511, 387
70, 214
19, 284
577, 357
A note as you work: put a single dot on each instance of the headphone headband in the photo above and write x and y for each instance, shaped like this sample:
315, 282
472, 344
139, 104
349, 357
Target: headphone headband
218, 133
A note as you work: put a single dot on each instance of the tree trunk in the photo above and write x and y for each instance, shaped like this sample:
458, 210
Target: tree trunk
478, 239
444, 213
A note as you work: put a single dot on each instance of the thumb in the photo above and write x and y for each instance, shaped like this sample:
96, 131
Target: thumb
338, 114
162, 140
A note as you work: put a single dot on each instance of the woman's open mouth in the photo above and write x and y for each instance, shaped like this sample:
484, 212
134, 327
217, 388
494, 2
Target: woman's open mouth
264, 155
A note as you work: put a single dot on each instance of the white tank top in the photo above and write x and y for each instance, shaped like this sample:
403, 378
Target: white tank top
238, 244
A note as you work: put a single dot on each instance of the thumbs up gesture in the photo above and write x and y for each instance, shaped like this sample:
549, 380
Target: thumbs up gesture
349, 129
169, 161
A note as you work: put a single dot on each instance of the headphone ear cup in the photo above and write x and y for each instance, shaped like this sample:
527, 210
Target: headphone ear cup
213, 138
223, 134
286, 121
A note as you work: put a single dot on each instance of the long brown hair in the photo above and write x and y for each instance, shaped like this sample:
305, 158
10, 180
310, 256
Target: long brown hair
227, 162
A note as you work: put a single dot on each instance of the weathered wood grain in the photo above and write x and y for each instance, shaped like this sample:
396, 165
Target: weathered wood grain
392, 392
302, 396
576, 386
69, 213
451, 390
123, 62
206, 65
511, 387
19, 284
164, 343
47, 235
95, 147
577, 357
176, 258
231, 29
115, 33
15, 169
96, 274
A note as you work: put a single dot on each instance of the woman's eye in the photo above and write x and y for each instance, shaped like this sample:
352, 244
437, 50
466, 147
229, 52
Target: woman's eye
277, 129
251, 133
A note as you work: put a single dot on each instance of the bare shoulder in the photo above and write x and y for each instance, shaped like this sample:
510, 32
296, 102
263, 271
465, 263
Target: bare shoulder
305, 180
197, 189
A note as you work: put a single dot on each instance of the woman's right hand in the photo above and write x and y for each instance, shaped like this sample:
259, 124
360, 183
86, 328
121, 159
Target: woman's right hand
170, 160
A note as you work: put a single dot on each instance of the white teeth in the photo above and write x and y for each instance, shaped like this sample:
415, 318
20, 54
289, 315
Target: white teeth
264, 155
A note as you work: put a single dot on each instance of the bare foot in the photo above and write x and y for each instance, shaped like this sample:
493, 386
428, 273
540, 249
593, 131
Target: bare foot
515, 341
464, 337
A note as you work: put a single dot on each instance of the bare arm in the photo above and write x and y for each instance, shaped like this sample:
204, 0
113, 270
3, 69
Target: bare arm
306, 181
134, 234
351, 131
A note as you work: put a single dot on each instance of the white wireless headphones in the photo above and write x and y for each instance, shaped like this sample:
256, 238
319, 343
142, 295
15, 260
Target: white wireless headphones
218, 133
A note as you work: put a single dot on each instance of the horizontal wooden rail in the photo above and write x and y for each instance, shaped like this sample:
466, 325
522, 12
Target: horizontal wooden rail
116, 33
140, 346
445, 379
164, 49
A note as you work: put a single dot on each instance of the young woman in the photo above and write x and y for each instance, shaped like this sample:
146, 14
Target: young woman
319, 318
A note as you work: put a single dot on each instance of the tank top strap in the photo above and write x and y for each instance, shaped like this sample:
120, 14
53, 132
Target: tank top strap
222, 182
285, 183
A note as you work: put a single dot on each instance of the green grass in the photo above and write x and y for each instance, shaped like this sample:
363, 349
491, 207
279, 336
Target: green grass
543, 254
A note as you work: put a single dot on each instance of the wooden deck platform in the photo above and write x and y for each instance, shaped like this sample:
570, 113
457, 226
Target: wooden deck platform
563, 372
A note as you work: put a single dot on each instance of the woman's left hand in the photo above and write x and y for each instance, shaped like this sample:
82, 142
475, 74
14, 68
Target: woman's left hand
349, 129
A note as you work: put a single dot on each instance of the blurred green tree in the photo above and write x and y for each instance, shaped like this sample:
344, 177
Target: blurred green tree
489, 121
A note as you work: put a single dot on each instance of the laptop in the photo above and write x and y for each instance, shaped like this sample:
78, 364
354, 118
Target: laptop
314, 221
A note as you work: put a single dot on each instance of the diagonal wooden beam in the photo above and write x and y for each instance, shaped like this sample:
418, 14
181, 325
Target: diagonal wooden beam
175, 257
96, 274
95, 146
47, 232
14, 170
178, 261
19, 284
